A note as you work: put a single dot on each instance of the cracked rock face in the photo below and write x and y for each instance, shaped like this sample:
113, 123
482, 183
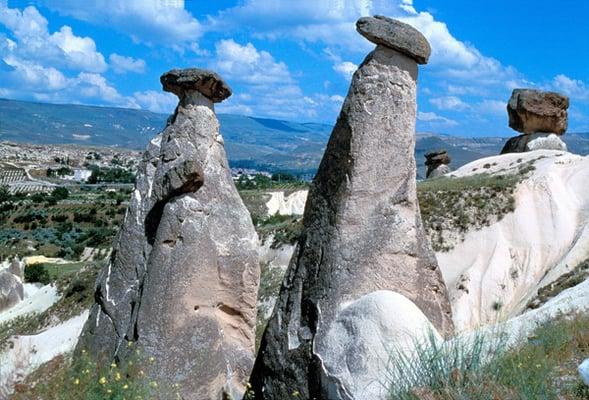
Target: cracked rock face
362, 233
533, 111
183, 278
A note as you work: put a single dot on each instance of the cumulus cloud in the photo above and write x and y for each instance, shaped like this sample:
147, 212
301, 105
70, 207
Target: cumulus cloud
573, 88
449, 103
266, 86
164, 22
435, 119
61, 48
121, 64
496, 107
158, 102
346, 68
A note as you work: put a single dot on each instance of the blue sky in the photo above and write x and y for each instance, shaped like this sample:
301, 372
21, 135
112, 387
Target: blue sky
292, 59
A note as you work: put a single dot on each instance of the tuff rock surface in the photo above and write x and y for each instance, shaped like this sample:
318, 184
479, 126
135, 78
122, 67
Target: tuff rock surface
437, 163
533, 111
11, 290
362, 233
183, 277
536, 141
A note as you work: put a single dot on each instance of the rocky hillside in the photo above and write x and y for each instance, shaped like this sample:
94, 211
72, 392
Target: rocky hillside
250, 142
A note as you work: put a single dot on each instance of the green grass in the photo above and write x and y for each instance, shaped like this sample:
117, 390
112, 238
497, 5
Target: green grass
85, 379
285, 228
542, 368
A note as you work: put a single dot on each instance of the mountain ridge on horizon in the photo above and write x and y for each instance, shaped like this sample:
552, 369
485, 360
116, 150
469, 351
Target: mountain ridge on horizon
253, 142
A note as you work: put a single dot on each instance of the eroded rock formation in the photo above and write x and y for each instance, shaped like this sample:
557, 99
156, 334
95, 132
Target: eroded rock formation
183, 277
540, 116
437, 163
11, 290
362, 233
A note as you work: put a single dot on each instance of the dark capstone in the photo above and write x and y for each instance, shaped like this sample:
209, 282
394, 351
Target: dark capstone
534, 111
396, 35
210, 84
435, 159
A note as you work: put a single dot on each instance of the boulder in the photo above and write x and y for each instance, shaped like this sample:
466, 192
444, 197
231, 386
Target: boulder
584, 371
365, 335
439, 171
11, 290
396, 35
207, 83
534, 111
536, 141
437, 163
362, 232
183, 278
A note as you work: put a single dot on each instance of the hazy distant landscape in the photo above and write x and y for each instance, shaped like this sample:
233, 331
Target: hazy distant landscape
259, 143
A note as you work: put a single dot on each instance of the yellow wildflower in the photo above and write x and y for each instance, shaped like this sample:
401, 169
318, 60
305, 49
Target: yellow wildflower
151, 359
76, 381
102, 380
113, 365
125, 386
117, 376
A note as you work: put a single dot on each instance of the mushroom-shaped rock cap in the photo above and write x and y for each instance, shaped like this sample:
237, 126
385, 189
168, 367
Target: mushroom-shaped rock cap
210, 84
437, 157
395, 34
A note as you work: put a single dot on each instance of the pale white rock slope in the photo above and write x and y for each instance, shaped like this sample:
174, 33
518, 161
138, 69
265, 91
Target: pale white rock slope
494, 273
37, 299
27, 353
293, 204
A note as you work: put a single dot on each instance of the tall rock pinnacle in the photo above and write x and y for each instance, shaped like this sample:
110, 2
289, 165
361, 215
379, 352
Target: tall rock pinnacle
182, 281
363, 250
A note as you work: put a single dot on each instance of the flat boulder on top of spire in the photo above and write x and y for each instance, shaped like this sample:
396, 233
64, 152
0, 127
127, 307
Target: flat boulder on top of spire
210, 84
396, 35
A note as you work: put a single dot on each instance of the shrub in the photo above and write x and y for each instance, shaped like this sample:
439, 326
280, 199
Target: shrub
37, 273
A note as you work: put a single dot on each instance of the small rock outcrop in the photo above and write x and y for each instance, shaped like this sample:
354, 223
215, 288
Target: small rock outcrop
17, 268
540, 116
584, 371
437, 163
11, 290
183, 277
362, 233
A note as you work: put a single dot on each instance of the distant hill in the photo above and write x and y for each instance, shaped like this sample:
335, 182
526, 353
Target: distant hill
250, 142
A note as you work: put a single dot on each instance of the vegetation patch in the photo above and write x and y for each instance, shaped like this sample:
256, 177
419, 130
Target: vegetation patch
565, 281
543, 368
83, 378
285, 228
451, 207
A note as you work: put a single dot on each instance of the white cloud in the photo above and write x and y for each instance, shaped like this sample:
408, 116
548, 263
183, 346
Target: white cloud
573, 88
61, 48
346, 68
449, 103
164, 22
121, 64
496, 107
159, 102
80, 51
245, 64
266, 87
435, 119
